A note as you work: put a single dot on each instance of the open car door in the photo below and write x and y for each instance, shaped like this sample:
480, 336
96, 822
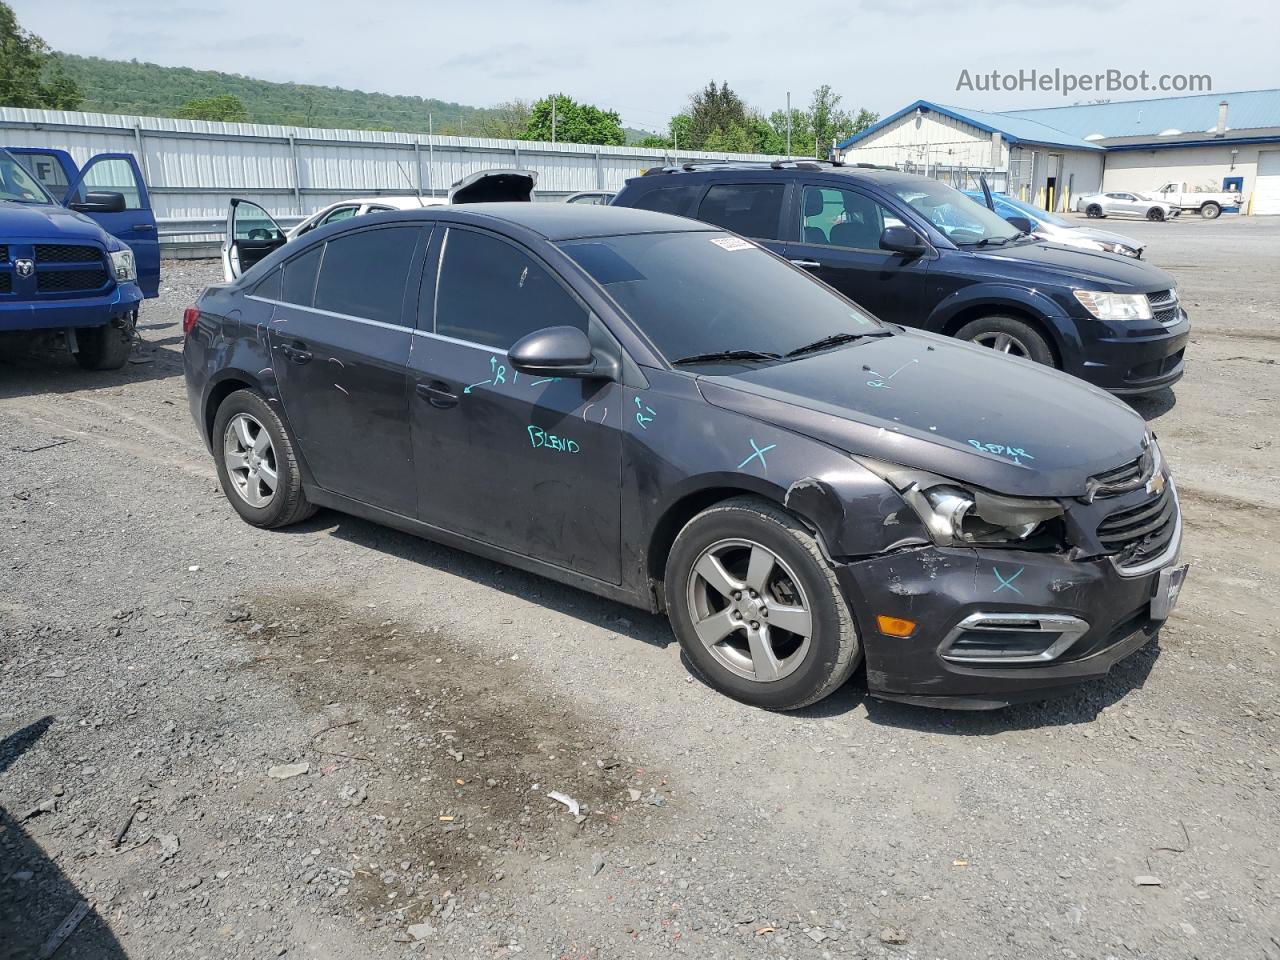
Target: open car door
252, 233
494, 186
110, 190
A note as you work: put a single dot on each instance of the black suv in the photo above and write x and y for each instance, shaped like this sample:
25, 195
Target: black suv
915, 251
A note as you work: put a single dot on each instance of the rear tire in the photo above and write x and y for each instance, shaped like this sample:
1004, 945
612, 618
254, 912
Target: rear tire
754, 550
1155, 214
1008, 335
1093, 211
1211, 211
106, 347
257, 462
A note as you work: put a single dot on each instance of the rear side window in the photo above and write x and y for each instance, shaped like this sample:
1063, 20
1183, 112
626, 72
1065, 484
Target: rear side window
751, 209
299, 284
364, 274
269, 286
677, 199
493, 293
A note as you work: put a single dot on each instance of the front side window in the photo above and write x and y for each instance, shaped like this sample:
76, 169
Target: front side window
342, 213
493, 293
843, 218
114, 176
364, 274
703, 292
676, 199
751, 209
251, 222
954, 215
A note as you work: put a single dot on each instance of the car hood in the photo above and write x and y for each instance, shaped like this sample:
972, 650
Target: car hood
965, 412
1082, 269
1093, 233
44, 222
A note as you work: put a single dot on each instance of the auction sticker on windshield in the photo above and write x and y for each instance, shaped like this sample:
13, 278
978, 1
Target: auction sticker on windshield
732, 243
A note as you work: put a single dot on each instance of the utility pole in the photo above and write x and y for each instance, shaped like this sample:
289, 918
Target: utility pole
788, 124
554, 98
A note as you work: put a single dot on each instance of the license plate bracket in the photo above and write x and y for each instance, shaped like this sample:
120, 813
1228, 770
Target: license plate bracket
1168, 586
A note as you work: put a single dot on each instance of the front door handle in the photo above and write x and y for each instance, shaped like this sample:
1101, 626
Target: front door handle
144, 227
438, 394
296, 354
806, 263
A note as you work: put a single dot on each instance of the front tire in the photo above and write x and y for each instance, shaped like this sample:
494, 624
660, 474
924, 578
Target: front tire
257, 462
106, 347
1008, 335
1211, 211
1093, 211
1155, 214
756, 607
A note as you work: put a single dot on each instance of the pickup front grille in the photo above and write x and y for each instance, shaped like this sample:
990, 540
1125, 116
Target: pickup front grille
71, 281
67, 253
4, 253
1137, 534
6, 282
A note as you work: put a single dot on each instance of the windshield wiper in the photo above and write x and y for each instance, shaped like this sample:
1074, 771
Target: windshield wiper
832, 341
725, 356
995, 241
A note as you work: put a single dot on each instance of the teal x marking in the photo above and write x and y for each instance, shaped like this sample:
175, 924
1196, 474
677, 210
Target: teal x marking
1009, 582
759, 452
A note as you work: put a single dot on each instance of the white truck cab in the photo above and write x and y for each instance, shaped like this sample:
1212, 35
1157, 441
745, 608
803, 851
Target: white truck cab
1208, 204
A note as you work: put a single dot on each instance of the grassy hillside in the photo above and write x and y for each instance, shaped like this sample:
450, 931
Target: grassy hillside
128, 86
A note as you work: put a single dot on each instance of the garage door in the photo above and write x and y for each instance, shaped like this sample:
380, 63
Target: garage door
1266, 191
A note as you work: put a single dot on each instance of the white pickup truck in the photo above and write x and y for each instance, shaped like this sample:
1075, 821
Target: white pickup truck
1208, 205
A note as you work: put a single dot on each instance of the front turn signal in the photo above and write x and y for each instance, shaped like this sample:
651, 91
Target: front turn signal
896, 626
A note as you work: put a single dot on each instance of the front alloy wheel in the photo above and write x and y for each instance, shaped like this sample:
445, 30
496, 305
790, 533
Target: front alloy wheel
1003, 343
749, 610
251, 460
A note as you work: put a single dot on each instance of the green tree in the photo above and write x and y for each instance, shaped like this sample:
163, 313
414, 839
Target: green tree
574, 122
507, 121
29, 76
227, 107
717, 116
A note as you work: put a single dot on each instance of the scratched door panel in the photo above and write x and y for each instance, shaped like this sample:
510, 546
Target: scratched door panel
344, 386
529, 464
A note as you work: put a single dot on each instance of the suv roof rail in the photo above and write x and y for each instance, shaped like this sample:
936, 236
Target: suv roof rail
692, 166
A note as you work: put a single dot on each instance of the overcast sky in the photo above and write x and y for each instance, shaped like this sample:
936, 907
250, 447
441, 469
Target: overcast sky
644, 57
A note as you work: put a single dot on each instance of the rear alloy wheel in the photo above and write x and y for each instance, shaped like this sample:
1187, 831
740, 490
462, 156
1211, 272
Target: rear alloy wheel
1211, 211
1155, 214
756, 606
257, 465
1008, 335
1094, 211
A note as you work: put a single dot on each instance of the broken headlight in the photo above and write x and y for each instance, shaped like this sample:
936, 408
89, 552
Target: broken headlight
959, 515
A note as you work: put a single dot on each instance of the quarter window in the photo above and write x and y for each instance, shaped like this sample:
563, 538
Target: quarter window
269, 287
300, 277
364, 273
493, 293
751, 209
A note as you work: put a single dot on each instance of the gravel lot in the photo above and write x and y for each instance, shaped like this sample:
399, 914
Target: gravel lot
337, 741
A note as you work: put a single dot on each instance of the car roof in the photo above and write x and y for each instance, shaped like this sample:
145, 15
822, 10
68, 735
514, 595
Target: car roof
397, 202
568, 221
780, 170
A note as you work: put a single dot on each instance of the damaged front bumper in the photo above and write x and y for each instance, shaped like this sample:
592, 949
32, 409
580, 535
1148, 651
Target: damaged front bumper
999, 626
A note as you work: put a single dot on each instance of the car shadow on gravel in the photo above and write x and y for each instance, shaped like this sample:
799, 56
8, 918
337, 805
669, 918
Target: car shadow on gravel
630, 622
30, 371
37, 900
1153, 406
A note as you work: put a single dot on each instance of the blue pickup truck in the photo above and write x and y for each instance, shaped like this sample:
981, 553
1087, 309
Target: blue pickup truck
78, 250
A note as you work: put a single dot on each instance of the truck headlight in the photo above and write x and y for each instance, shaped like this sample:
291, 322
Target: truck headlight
1115, 306
122, 265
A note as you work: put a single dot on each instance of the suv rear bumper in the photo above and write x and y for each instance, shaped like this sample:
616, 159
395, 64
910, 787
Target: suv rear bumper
1077, 618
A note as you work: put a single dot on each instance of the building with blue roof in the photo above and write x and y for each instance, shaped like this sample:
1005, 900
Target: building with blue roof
1212, 142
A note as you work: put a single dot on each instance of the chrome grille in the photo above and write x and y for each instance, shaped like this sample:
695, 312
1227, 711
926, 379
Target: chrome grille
1164, 306
1137, 534
67, 253
1127, 476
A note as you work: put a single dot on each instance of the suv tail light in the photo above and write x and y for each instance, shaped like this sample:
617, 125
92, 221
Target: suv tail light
189, 318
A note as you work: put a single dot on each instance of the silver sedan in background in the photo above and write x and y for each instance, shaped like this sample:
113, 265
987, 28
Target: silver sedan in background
1125, 205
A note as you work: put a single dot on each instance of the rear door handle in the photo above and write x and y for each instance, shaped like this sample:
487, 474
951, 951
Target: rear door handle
806, 263
296, 354
438, 394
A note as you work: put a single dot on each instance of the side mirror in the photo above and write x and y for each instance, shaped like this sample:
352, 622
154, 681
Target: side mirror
902, 240
1019, 223
555, 352
100, 203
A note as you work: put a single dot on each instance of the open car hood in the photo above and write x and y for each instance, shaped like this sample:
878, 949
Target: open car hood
920, 400
495, 186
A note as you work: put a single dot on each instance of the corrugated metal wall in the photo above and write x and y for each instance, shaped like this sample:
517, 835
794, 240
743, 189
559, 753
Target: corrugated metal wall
194, 166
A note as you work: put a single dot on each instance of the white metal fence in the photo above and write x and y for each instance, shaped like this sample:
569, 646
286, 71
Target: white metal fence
194, 166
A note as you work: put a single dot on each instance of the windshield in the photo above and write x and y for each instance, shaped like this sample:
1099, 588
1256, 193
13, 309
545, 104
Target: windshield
704, 293
954, 215
1034, 214
18, 185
